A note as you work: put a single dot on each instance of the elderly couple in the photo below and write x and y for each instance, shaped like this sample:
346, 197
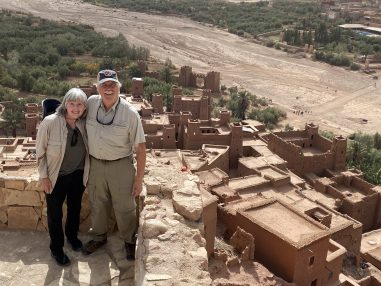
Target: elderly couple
97, 152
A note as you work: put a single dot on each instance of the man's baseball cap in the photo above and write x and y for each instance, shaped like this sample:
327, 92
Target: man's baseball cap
107, 75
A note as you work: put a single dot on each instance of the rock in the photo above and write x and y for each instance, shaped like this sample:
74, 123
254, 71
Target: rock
232, 261
157, 277
200, 258
220, 255
199, 239
3, 215
34, 185
243, 242
152, 185
153, 261
178, 217
41, 227
166, 236
187, 201
10, 197
247, 254
153, 227
150, 215
151, 201
15, 183
22, 218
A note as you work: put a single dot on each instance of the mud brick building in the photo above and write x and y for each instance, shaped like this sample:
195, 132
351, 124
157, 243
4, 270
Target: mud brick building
291, 244
187, 78
308, 152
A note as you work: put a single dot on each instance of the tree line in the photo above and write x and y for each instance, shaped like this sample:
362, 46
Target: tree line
37, 55
335, 45
239, 18
364, 153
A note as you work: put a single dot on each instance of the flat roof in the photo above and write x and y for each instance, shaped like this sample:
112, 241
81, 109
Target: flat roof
260, 162
160, 119
246, 182
272, 173
351, 193
371, 241
212, 177
286, 223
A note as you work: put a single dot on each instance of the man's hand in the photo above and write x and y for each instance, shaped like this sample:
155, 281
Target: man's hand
137, 187
46, 185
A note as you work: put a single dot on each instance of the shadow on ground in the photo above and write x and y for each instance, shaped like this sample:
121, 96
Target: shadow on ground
25, 260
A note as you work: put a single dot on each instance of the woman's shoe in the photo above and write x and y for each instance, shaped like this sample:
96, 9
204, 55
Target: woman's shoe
61, 259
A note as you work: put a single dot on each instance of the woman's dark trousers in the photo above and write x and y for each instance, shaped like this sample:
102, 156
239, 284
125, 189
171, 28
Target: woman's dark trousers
70, 187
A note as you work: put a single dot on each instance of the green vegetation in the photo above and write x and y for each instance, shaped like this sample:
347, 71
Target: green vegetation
302, 23
13, 115
364, 153
152, 85
270, 116
243, 105
327, 134
37, 55
242, 18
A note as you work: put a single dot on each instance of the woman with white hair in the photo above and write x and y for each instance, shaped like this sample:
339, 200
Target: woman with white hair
63, 166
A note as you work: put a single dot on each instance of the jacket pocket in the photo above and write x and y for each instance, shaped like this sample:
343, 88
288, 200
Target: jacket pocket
53, 149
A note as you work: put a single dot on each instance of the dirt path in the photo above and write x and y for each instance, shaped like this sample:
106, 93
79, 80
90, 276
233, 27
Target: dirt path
336, 99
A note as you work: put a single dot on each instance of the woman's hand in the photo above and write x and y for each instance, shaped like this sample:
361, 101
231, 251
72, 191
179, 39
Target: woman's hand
46, 185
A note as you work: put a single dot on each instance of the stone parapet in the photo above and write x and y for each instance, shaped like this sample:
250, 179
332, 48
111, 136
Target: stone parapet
23, 206
171, 244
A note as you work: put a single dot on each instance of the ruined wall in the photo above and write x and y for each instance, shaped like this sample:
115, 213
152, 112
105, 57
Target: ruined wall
296, 161
31, 120
154, 141
192, 106
157, 103
364, 211
349, 237
221, 162
169, 137
291, 134
334, 264
137, 88
186, 77
212, 81
194, 138
236, 138
322, 143
314, 164
285, 150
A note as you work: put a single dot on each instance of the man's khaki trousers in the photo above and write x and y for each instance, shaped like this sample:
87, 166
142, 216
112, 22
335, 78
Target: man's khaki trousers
110, 185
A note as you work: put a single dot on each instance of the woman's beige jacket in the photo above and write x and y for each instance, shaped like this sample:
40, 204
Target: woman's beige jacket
51, 145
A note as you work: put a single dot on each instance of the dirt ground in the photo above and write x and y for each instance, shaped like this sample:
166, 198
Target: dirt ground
338, 100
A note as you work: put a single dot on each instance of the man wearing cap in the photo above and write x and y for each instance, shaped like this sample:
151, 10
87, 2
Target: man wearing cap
114, 130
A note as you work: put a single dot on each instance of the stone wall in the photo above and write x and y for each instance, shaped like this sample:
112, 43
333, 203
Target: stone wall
171, 245
23, 206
